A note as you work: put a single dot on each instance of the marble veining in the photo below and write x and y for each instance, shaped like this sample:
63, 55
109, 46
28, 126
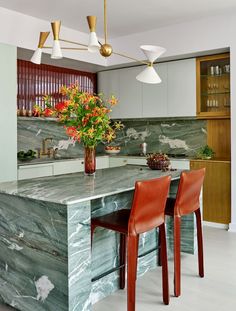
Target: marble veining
72, 188
46, 259
162, 135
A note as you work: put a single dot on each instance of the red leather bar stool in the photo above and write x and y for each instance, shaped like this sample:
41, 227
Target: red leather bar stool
186, 202
147, 212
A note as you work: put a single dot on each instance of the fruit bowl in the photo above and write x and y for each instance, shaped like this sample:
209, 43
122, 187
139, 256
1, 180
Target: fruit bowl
112, 149
158, 161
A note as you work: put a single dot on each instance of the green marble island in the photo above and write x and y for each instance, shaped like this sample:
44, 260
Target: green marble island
46, 263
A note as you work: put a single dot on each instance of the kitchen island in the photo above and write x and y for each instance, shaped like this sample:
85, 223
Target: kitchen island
45, 242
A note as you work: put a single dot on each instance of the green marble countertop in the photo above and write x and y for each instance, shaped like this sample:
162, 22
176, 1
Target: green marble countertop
75, 188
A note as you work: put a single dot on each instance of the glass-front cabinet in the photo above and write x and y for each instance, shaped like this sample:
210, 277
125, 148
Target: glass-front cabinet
213, 86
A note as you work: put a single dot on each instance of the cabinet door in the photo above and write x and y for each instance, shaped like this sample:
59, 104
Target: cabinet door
68, 167
102, 162
35, 171
154, 99
130, 99
108, 84
115, 161
216, 191
182, 88
180, 164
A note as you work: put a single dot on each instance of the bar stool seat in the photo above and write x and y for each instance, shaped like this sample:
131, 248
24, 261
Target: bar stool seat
117, 221
147, 212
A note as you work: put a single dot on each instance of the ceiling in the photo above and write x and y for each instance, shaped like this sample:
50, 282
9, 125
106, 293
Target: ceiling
124, 16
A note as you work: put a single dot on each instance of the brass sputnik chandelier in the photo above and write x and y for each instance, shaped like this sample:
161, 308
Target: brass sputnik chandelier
148, 75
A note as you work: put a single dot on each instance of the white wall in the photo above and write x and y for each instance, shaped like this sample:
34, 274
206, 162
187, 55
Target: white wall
8, 120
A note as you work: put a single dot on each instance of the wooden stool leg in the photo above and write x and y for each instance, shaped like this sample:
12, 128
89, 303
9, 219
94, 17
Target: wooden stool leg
132, 271
159, 248
165, 281
177, 249
122, 259
200, 243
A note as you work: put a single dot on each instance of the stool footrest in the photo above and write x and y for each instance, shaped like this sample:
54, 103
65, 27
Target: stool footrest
96, 278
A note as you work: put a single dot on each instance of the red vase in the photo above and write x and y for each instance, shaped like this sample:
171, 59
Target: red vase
89, 161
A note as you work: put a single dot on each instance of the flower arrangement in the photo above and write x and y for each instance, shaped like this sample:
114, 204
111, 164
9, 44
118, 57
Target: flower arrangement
85, 116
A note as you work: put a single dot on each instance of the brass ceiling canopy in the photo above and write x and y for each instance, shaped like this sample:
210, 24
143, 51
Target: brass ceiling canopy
148, 75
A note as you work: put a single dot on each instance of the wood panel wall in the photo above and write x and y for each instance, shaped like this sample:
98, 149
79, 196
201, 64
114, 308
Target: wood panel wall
35, 81
216, 190
218, 137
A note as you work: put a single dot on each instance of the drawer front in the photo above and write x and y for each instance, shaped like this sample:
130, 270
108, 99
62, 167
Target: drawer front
102, 162
180, 165
34, 171
68, 167
115, 162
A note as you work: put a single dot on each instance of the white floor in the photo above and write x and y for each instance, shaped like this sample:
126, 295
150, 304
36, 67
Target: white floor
217, 291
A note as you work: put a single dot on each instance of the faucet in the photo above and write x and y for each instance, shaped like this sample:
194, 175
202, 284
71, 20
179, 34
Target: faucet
44, 150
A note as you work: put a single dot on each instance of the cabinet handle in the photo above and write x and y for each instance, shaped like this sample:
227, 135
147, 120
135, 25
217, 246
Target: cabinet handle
125, 161
82, 162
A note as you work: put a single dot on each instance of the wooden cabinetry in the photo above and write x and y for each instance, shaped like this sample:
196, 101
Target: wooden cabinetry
213, 86
216, 190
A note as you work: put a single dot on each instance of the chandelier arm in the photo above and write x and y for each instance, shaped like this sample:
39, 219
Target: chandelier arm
135, 59
73, 42
105, 21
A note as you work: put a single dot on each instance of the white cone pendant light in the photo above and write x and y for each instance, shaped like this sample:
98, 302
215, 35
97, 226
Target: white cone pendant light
36, 58
56, 48
93, 45
149, 74
152, 52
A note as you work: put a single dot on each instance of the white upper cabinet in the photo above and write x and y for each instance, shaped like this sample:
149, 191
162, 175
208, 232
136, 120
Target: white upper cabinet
130, 99
155, 95
175, 96
109, 84
181, 88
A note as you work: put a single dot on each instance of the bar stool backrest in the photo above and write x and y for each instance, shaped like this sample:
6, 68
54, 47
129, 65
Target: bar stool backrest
189, 189
148, 207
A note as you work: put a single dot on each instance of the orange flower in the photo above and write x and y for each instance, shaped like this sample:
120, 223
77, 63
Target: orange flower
113, 100
110, 136
61, 107
48, 112
71, 131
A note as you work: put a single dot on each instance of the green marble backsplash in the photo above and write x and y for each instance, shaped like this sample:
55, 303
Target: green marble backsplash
161, 135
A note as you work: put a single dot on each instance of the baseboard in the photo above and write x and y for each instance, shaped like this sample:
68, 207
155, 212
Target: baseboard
215, 225
232, 227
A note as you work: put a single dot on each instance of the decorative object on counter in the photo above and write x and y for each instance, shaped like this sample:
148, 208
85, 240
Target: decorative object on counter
144, 148
205, 153
26, 156
158, 161
86, 119
112, 149
148, 75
